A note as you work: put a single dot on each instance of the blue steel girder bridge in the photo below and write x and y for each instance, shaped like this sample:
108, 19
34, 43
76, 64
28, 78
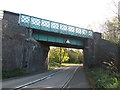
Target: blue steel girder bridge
29, 38
55, 33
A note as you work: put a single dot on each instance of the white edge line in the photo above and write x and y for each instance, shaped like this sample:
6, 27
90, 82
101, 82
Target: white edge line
21, 86
35, 81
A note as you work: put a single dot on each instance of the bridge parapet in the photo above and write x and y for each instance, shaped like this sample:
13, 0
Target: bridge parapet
51, 26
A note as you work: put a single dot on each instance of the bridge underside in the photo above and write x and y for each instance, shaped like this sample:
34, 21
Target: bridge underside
61, 45
59, 40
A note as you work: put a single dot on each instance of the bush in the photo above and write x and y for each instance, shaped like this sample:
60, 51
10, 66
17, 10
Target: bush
13, 73
103, 80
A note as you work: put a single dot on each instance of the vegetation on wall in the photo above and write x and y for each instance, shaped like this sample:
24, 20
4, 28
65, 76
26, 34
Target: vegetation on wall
111, 32
108, 74
13, 73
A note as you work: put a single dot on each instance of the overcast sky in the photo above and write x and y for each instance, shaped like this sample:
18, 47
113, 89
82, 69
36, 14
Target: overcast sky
79, 13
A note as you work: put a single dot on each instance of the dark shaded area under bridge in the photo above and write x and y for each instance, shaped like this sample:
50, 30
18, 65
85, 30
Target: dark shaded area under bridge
21, 50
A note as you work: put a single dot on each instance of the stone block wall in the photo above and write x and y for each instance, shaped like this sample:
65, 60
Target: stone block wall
19, 50
98, 50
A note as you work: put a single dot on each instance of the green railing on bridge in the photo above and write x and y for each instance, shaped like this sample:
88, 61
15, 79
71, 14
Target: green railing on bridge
51, 26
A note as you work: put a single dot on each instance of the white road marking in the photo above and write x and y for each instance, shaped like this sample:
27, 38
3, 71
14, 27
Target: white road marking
35, 81
46, 77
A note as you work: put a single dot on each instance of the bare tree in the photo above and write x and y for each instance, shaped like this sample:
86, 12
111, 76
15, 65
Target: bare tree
111, 27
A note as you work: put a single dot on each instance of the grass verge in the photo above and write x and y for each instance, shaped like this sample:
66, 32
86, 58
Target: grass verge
101, 80
20, 72
13, 73
57, 65
54, 65
65, 64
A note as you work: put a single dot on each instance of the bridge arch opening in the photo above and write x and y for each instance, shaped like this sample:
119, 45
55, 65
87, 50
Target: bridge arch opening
61, 56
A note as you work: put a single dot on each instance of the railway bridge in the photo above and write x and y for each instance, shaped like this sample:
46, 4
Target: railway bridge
26, 41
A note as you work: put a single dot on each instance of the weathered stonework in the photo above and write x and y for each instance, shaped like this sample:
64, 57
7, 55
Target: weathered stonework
1, 14
98, 50
19, 49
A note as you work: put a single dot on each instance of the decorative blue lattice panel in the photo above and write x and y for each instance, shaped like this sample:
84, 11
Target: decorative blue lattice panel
84, 33
90, 33
24, 20
35, 23
78, 31
47, 25
63, 28
55, 26
71, 30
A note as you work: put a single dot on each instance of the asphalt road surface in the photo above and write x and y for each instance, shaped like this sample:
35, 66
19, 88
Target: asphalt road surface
65, 77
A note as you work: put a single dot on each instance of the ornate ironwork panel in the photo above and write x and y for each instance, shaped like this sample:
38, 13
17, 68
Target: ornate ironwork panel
71, 30
55, 26
47, 25
24, 20
35, 23
63, 28
78, 31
